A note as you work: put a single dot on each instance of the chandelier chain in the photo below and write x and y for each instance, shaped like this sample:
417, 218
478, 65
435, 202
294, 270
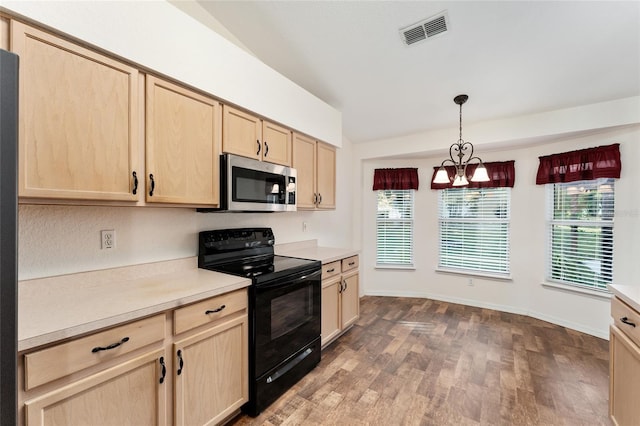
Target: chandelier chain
460, 138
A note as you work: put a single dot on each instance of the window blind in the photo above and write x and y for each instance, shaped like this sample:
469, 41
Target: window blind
394, 228
580, 226
474, 229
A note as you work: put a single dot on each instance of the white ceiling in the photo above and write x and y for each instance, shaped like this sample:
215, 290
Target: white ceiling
511, 57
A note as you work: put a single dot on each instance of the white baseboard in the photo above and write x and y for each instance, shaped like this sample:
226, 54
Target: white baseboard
603, 334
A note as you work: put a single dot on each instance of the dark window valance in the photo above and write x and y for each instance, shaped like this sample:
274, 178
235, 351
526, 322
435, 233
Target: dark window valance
583, 164
502, 174
406, 178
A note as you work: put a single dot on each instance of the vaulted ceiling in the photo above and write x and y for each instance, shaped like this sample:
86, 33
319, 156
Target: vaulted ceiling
511, 57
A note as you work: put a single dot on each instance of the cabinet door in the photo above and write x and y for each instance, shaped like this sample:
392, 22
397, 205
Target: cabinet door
326, 176
624, 379
183, 145
304, 161
242, 133
330, 309
127, 394
350, 300
276, 144
78, 120
213, 380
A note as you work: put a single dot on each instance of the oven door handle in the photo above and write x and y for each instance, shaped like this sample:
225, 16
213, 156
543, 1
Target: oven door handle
280, 283
297, 360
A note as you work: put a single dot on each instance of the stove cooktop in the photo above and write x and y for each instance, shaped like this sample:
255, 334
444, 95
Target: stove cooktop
248, 252
267, 268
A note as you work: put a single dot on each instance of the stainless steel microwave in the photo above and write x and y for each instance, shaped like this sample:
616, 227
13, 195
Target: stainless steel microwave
248, 185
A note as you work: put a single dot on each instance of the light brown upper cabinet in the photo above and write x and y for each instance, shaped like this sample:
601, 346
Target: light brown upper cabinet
315, 163
249, 136
183, 145
78, 121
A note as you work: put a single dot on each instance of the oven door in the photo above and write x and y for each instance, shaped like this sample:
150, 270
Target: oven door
259, 186
287, 317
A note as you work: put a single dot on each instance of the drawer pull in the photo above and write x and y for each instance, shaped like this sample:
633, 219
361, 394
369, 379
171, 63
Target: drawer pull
164, 370
180, 362
111, 346
330, 270
215, 310
626, 321
352, 263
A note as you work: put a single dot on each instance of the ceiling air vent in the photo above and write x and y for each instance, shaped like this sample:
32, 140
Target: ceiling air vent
425, 29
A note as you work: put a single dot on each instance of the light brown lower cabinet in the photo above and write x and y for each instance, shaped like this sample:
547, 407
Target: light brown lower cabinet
624, 364
141, 373
127, 394
340, 298
212, 383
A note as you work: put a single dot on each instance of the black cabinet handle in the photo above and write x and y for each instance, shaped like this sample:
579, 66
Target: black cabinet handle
164, 370
352, 263
342, 287
135, 183
213, 311
315, 198
259, 146
331, 270
266, 148
111, 346
626, 321
180, 362
319, 198
153, 185
345, 286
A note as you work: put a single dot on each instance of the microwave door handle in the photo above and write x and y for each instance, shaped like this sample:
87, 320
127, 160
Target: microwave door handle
296, 281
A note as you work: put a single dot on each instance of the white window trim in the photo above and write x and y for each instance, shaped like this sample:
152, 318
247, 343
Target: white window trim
470, 273
604, 294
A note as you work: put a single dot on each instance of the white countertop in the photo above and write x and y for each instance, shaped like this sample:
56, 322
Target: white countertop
55, 308
629, 294
313, 252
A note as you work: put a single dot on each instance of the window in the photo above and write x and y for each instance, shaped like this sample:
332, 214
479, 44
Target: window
474, 230
394, 226
580, 226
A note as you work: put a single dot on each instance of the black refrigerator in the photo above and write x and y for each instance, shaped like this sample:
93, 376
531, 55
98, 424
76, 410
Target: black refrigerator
9, 236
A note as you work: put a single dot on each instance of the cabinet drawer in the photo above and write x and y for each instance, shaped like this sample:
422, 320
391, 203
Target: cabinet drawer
209, 310
350, 263
620, 311
61, 360
330, 269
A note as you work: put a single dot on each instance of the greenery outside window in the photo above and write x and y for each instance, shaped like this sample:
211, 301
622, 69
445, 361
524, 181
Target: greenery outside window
394, 228
580, 232
474, 230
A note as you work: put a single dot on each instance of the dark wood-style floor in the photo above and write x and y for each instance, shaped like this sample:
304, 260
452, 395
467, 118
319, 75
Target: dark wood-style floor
412, 361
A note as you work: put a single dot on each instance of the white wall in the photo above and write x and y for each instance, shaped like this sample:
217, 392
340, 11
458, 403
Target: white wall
158, 36
524, 293
56, 240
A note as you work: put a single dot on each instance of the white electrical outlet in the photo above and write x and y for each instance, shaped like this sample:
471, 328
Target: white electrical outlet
304, 226
108, 239
470, 283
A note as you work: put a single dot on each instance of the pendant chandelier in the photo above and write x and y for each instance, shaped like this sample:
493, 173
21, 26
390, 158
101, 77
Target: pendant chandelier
464, 153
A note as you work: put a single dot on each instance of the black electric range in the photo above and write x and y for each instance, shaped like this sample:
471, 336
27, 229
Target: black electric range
284, 308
